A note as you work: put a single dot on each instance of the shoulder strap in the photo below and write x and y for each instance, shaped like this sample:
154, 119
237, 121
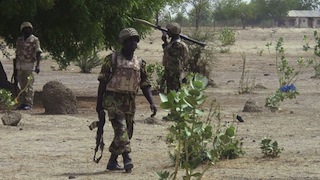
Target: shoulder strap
114, 58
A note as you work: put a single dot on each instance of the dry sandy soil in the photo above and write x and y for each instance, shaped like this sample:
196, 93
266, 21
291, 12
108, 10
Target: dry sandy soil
61, 146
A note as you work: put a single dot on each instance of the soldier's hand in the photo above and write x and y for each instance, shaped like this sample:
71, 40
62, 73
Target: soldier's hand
37, 69
153, 109
164, 37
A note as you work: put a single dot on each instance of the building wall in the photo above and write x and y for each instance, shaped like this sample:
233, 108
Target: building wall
302, 22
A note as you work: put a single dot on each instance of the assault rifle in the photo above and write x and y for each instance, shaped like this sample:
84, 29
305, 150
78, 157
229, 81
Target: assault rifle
99, 137
184, 37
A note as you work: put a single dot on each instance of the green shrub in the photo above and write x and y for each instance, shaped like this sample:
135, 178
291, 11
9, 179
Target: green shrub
156, 76
87, 63
226, 145
246, 84
188, 136
227, 37
269, 148
287, 75
191, 140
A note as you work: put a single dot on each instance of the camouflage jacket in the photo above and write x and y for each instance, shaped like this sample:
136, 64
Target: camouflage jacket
26, 52
121, 73
175, 55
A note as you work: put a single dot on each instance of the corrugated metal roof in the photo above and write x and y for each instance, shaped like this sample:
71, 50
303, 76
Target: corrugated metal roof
303, 13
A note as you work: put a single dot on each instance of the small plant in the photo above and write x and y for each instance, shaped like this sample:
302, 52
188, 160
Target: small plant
226, 144
201, 60
188, 136
87, 63
269, 148
6, 99
287, 75
260, 52
246, 84
6, 96
227, 37
156, 76
316, 52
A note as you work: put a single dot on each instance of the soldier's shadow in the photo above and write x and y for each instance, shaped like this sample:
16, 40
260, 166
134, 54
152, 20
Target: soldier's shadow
75, 175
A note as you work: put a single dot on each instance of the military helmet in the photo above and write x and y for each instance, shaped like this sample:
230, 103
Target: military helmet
174, 28
26, 24
127, 33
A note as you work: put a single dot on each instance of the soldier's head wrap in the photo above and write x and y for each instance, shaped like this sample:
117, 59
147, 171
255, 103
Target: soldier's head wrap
174, 28
127, 33
25, 24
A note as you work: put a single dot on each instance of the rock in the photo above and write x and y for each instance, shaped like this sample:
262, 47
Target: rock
251, 106
58, 99
11, 118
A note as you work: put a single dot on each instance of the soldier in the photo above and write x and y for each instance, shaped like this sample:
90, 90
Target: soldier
175, 57
28, 56
119, 80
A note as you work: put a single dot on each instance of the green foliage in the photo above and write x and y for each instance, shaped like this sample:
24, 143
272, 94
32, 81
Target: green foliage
226, 145
3, 50
6, 96
87, 63
6, 99
287, 75
188, 135
70, 29
156, 76
316, 52
227, 37
201, 60
246, 84
269, 148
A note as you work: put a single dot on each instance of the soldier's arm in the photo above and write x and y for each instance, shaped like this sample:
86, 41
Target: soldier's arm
103, 78
146, 88
38, 56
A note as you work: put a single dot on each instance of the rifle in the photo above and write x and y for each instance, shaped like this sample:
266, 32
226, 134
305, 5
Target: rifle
99, 136
14, 79
184, 37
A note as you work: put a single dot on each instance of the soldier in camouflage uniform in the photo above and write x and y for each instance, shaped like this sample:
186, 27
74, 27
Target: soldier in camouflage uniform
28, 56
175, 58
121, 75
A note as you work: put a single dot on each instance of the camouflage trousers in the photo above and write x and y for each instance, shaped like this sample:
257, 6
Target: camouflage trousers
121, 109
27, 95
172, 79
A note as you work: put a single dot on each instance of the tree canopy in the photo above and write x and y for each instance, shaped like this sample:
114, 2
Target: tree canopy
72, 28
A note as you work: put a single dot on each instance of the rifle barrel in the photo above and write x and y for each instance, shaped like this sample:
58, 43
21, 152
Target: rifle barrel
184, 37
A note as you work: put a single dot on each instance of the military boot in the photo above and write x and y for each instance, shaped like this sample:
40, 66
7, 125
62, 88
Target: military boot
127, 162
113, 163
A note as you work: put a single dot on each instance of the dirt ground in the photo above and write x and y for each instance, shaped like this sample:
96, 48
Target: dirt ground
61, 146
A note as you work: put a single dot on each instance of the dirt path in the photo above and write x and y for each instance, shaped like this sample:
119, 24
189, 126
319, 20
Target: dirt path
61, 146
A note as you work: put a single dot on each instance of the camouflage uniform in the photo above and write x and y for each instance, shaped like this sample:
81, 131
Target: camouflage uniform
120, 103
25, 61
175, 59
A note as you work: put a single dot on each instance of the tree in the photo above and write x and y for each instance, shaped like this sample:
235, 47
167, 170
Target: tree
69, 29
231, 9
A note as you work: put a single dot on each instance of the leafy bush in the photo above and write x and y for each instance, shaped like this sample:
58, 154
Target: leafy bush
227, 37
156, 76
269, 148
87, 63
287, 75
6, 99
188, 136
316, 52
6, 96
246, 84
226, 145
201, 60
